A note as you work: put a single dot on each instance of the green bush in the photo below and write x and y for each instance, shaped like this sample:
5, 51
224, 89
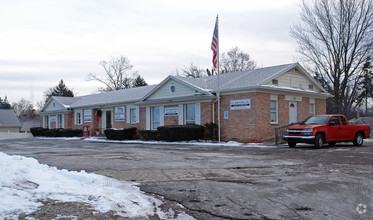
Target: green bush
120, 134
59, 132
37, 131
211, 132
181, 132
149, 135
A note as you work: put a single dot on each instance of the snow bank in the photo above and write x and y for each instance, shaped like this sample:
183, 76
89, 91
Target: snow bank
23, 181
200, 144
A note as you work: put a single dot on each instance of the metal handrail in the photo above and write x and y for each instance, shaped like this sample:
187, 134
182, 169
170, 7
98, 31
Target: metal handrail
279, 131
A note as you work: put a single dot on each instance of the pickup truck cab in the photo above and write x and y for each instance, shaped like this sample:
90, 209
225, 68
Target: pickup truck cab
322, 129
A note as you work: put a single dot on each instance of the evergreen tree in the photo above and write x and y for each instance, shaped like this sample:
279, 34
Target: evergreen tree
4, 104
60, 90
139, 81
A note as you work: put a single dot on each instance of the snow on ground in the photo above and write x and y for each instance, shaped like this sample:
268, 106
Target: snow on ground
23, 181
200, 144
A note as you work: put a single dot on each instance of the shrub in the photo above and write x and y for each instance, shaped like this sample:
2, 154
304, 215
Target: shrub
181, 132
37, 131
120, 134
59, 132
211, 132
149, 135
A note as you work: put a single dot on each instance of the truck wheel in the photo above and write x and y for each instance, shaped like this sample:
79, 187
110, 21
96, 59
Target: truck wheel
292, 144
319, 141
358, 140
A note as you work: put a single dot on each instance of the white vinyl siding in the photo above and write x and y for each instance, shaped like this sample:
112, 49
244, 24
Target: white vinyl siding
294, 79
165, 91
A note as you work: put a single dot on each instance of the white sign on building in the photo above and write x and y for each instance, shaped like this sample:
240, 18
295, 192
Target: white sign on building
241, 104
171, 111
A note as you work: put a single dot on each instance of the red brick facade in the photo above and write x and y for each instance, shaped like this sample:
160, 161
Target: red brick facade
246, 125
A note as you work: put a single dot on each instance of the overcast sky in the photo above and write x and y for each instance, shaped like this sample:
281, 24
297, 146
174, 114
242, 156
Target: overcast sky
44, 41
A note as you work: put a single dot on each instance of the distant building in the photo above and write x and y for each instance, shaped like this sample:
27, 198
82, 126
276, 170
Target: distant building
9, 121
253, 103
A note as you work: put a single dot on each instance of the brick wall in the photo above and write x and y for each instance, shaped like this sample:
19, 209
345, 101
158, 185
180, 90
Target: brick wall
171, 120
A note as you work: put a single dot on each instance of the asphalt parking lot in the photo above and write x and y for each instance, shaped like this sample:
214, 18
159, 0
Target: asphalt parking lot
215, 182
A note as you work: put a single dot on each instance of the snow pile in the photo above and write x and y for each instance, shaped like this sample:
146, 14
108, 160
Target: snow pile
196, 143
23, 181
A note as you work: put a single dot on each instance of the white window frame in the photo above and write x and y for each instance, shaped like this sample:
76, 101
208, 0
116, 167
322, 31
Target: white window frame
152, 122
313, 110
273, 111
78, 117
60, 121
133, 110
185, 114
46, 121
87, 115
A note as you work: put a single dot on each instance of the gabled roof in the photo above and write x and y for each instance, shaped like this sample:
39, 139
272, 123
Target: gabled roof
245, 79
196, 84
8, 118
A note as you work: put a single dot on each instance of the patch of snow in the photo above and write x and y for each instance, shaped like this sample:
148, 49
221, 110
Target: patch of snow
196, 143
60, 138
23, 181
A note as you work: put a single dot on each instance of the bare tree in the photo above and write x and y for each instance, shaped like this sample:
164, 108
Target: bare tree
193, 71
335, 38
22, 106
116, 71
236, 60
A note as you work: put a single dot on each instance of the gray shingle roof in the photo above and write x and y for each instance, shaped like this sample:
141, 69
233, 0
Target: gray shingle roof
113, 97
8, 118
237, 80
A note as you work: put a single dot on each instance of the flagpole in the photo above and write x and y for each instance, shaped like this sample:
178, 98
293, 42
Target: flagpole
218, 73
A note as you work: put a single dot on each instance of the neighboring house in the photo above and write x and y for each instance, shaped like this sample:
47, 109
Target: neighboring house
252, 104
9, 121
29, 120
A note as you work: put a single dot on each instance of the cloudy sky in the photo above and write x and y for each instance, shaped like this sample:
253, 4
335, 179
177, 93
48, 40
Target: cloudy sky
44, 41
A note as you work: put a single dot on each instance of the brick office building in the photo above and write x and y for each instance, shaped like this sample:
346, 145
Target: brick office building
253, 103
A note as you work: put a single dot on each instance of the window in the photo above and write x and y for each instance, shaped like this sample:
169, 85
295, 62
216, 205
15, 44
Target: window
275, 82
190, 114
156, 122
78, 118
334, 121
133, 115
343, 120
60, 121
46, 121
274, 111
310, 86
312, 109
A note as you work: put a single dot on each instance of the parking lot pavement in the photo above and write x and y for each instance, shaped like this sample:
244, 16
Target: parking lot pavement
214, 182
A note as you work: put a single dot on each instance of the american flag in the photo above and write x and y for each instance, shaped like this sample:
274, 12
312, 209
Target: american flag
214, 45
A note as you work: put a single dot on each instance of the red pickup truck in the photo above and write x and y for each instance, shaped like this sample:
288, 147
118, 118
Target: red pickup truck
321, 129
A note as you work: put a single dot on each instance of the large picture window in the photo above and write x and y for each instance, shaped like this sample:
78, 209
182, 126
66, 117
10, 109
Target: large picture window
190, 114
156, 118
274, 111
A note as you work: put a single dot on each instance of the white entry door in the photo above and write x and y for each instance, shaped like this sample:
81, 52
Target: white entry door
293, 112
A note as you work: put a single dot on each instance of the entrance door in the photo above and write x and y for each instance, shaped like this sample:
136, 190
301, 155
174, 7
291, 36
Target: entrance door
293, 112
106, 120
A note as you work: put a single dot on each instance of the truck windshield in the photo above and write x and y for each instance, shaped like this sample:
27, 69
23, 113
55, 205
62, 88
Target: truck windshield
316, 120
